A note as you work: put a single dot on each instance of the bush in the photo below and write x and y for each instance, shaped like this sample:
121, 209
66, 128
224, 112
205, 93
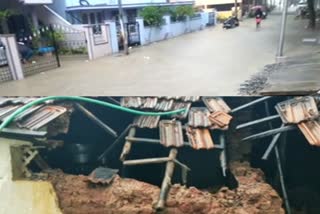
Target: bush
152, 16
5, 14
71, 51
181, 12
46, 37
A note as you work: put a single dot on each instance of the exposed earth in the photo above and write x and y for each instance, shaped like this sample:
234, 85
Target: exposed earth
254, 196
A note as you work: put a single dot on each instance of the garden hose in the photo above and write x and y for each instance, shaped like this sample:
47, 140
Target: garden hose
19, 111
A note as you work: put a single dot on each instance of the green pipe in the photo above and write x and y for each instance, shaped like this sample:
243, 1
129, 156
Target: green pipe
19, 111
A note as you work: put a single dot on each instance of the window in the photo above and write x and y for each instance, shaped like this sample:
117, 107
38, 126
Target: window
92, 18
85, 19
99, 17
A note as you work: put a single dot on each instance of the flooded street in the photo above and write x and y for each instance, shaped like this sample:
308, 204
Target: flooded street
212, 62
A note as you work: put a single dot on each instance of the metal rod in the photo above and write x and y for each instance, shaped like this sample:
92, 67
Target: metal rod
43, 165
279, 165
270, 132
283, 186
157, 141
223, 156
110, 148
146, 161
250, 104
271, 145
244, 125
283, 28
182, 165
23, 132
113, 100
96, 120
142, 140
127, 146
166, 183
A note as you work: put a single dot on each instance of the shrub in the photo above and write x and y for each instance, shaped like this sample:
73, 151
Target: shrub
152, 16
183, 11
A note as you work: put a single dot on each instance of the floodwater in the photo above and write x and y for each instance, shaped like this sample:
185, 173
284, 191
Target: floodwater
210, 62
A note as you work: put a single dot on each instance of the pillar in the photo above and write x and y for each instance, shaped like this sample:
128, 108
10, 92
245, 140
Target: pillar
90, 43
141, 31
113, 36
13, 56
167, 26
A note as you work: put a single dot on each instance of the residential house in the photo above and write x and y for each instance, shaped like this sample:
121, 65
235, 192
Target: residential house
225, 8
96, 11
30, 14
24, 14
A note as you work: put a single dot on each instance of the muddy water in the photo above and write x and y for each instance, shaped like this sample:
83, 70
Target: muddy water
212, 61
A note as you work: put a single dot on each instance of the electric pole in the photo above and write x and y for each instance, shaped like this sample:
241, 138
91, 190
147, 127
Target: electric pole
236, 8
283, 28
124, 35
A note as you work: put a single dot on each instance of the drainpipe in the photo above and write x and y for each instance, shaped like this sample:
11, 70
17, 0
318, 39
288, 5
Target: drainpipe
283, 30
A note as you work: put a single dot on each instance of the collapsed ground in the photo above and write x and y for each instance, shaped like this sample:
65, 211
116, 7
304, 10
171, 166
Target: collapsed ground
254, 196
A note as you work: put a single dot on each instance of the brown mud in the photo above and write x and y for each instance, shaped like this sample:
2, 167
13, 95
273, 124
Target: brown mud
254, 196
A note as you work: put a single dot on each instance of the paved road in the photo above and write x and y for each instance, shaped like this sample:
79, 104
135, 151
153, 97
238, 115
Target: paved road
209, 62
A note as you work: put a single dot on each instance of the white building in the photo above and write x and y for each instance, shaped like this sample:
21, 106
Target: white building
95, 11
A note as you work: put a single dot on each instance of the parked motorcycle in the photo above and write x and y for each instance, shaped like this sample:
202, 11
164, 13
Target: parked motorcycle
231, 22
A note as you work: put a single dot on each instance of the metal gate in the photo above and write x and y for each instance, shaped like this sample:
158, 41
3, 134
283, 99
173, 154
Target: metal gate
5, 73
133, 32
43, 45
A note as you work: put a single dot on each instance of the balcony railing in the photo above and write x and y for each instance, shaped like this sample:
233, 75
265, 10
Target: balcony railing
37, 1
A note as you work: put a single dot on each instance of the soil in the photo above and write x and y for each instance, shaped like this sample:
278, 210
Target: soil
254, 196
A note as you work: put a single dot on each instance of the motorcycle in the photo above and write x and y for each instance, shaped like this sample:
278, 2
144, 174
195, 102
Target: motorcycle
231, 22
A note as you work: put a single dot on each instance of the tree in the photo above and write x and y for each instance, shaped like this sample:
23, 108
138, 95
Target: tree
184, 11
312, 14
153, 16
4, 15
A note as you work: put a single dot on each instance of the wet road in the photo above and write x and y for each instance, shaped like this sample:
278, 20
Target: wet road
209, 62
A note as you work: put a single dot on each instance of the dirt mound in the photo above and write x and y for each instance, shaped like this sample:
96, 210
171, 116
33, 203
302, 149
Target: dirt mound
253, 196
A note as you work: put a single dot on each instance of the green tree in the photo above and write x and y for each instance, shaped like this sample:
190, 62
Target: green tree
183, 11
4, 15
152, 16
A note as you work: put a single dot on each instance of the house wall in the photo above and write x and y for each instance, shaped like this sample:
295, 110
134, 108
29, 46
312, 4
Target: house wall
59, 6
28, 197
47, 16
214, 2
75, 3
171, 29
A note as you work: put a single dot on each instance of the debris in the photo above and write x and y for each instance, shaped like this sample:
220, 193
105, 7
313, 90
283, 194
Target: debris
200, 138
216, 104
124, 196
220, 120
199, 117
297, 110
102, 175
146, 121
311, 131
171, 133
